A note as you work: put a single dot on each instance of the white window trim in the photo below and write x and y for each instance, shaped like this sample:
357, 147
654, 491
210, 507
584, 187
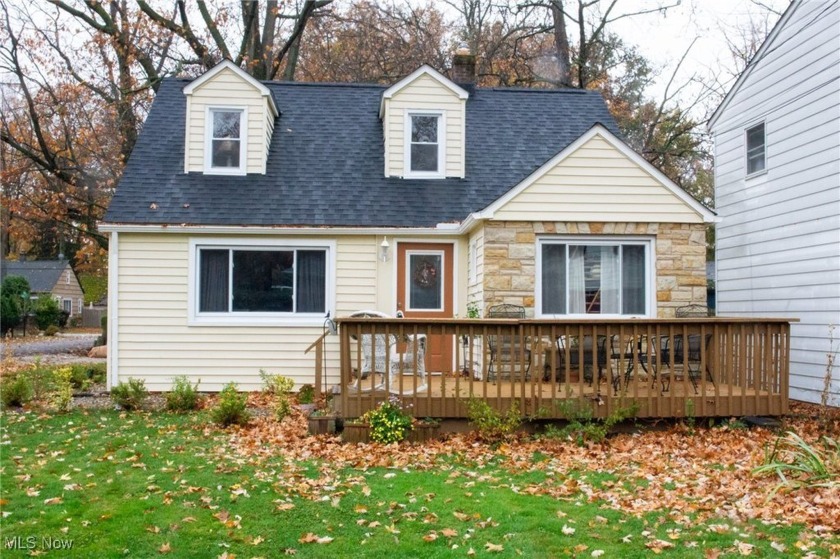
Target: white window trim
243, 141
747, 174
195, 318
650, 272
441, 275
441, 172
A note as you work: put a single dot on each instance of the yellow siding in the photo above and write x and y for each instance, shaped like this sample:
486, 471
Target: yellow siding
597, 183
475, 282
226, 89
156, 343
424, 93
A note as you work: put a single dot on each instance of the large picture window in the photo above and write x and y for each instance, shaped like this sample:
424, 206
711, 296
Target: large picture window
280, 281
587, 277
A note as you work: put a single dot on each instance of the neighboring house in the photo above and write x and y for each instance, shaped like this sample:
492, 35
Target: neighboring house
777, 176
250, 210
54, 277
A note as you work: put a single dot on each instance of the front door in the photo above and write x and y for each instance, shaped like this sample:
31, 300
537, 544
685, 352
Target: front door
425, 273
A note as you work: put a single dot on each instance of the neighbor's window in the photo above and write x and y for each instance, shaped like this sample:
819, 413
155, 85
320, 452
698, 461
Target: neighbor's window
424, 155
67, 305
594, 278
755, 149
243, 280
226, 139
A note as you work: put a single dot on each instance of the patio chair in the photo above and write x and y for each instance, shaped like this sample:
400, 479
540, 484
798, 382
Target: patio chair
574, 348
407, 365
375, 351
506, 349
690, 357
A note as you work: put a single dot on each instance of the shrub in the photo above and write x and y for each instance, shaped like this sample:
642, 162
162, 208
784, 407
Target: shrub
306, 394
51, 330
47, 311
15, 390
42, 378
103, 337
62, 396
276, 384
85, 375
582, 425
388, 423
492, 426
130, 395
183, 396
63, 317
10, 313
230, 408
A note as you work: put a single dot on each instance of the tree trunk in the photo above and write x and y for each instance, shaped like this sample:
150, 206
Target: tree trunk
561, 44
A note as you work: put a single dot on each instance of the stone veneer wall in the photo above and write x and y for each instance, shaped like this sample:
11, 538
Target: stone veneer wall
510, 260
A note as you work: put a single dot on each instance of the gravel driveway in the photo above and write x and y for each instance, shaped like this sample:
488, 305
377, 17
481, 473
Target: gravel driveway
57, 349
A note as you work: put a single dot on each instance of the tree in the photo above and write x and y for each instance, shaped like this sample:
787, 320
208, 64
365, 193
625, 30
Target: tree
83, 76
14, 298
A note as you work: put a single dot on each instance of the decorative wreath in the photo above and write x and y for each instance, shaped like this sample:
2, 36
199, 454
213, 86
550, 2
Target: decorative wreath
425, 275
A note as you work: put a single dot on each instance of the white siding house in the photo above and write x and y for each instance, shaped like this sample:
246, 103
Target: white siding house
777, 177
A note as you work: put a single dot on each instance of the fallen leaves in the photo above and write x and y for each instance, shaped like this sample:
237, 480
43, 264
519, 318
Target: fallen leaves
310, 537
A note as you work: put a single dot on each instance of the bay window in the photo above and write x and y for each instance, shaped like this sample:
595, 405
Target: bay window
581, 277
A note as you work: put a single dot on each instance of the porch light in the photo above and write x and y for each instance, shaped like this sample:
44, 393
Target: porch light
384, 250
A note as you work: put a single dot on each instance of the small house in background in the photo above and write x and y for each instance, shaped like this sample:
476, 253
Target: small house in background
55, 277
777, 187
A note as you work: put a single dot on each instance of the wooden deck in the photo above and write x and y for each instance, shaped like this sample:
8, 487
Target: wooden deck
667, 367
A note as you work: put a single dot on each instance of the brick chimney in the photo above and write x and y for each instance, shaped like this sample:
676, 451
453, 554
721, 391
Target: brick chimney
463, 66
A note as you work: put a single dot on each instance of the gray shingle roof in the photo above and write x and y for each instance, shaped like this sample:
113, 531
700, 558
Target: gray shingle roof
326, 167
42, 275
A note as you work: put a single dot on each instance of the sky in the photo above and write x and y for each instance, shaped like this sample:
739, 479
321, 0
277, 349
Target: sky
664, 39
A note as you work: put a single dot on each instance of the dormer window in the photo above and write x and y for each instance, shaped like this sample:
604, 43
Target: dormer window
425, 145
226, 149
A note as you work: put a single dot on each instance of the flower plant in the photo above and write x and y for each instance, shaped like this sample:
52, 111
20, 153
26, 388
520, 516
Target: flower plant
389, 422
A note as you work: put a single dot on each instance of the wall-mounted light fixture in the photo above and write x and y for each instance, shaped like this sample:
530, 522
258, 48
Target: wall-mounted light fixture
384, 250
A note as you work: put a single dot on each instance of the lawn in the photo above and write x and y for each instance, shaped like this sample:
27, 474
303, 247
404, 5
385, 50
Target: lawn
118, 484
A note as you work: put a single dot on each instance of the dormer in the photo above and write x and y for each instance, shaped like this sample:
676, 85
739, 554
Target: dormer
230, 119
424, 123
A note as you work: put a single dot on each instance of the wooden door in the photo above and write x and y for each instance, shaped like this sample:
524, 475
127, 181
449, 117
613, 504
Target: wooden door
425, 281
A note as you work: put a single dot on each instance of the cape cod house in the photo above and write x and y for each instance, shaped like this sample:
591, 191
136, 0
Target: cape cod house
777, 177
53, 277
251, 211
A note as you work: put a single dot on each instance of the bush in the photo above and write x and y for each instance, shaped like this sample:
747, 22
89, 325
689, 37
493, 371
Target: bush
47, 312
183, 396
62, 396
42, 378
130, 395
63, 317
86, 375
306, 394
492, 426
51, 330
10, 314
15, 390
276, 384
230, 408
103, 337
388, 422
582, 425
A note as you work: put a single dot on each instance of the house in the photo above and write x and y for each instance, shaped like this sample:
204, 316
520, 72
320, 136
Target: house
53, 277
251, 211
777, 177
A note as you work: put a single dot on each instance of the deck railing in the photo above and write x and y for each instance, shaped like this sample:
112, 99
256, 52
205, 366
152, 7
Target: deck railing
701, 367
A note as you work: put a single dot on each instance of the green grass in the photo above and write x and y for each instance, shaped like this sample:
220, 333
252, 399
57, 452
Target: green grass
131, 483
